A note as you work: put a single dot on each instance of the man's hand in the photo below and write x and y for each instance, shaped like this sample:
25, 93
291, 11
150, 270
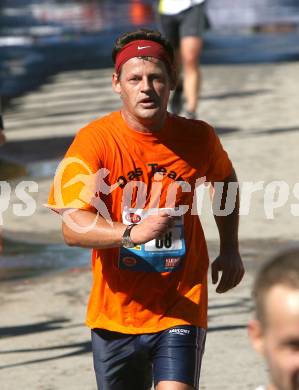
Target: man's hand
151, 227
231, 266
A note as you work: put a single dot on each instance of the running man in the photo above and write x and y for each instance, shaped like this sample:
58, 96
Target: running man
275, 330
183, 23
125, 189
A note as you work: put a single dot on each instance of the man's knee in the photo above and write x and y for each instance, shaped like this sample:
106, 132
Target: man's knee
173, 385
190, 51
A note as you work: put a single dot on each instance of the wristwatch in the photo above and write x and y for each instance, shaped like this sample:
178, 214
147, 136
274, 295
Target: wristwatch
126, 240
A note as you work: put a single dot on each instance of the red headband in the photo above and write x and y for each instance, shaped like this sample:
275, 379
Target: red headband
141, 48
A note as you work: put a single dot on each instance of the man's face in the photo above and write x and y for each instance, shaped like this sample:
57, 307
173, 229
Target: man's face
278, 338
144, 86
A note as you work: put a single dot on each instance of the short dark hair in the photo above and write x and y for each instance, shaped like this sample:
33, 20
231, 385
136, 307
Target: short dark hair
150, 35
282, 269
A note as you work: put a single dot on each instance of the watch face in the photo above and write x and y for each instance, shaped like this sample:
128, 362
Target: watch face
126, 239
127, 242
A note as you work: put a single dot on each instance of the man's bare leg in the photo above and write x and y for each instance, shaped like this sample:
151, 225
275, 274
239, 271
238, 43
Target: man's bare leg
191, 48
172, 385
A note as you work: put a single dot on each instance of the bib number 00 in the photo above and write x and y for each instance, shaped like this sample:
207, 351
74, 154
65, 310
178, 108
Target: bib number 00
165, 242
171, 240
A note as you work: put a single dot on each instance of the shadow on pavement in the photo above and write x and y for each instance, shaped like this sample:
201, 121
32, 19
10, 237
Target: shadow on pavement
35, 150
236, 94
225, 328
280, 130
23, 330
80, 348
226, 130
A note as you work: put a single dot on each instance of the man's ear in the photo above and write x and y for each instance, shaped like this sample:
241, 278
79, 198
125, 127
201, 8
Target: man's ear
116, 83
256, 335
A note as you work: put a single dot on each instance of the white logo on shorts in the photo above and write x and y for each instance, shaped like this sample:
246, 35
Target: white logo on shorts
180, 331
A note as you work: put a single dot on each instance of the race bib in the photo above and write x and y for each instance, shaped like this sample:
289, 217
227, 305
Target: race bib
164, 254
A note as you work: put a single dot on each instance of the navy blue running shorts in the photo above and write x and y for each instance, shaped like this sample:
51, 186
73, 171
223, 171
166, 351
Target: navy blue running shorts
134, 362
191, 22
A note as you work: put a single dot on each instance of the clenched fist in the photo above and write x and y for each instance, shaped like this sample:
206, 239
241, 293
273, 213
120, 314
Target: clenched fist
151, 227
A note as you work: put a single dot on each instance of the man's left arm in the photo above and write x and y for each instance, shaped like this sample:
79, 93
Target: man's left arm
229, 261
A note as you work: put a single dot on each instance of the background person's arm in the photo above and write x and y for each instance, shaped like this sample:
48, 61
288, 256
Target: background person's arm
2, 135
85, 229
229, 261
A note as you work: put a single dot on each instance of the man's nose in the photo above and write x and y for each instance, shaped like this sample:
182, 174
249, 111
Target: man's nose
146, 84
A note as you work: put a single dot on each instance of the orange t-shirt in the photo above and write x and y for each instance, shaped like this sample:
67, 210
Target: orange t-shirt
121, 299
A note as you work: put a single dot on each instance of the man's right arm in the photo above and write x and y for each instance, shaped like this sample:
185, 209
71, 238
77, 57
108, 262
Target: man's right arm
85, 229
